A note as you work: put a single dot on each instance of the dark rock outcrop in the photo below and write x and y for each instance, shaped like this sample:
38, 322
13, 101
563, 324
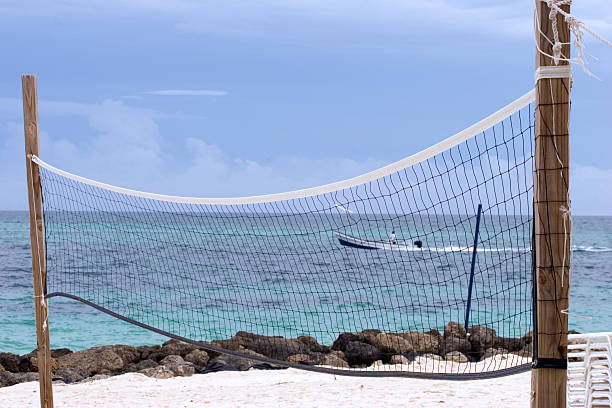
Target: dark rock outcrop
146, 351
178, 366
423, 342
451, 344
176, 348
509, 343
199, 358
358, 353
6, 378
96, 360
141, 365
343, 339
481, 338
61, 352
15, 363
368, 348
278, 348
454, 329
71, 375
237, 363
391, 343
313, 345
34, 364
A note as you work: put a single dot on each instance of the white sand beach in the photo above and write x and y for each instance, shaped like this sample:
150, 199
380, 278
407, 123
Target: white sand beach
276, 388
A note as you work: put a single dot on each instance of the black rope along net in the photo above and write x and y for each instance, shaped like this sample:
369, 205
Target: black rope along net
425, 271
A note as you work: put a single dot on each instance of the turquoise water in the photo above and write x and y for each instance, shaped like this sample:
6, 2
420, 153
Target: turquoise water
78, 326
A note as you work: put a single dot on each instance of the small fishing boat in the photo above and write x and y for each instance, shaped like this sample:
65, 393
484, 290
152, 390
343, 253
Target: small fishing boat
354, 242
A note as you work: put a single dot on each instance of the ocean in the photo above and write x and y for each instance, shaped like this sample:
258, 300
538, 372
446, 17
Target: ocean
77, 326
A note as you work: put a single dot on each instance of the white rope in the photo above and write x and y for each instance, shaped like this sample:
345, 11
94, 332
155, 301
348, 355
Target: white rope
423, 155
577, 28
558, 71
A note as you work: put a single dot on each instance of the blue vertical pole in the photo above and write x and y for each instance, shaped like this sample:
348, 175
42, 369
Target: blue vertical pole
469, 298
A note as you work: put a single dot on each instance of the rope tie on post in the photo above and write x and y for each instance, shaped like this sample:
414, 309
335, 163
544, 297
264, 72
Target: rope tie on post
577, 28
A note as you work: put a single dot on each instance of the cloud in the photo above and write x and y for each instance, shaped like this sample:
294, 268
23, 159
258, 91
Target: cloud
291, 18
188, 92
125, 148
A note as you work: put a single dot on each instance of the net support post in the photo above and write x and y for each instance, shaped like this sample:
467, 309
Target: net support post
471, 283
551, 207
35, 201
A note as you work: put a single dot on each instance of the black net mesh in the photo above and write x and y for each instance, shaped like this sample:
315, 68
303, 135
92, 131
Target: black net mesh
368, 280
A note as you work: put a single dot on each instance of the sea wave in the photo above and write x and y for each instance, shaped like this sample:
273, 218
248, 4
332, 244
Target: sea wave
584, 248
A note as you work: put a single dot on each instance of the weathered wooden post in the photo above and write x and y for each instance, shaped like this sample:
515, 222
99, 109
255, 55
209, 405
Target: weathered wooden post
30, 125
551, 207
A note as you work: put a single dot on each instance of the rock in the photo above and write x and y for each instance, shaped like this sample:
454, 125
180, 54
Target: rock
492, 352
298, 358
175, 347
316, 358
527, 338
96, 378
359, 353
368, 335
377, 363
247, 338
435, 333
14, 363
526, 351
454, 329
141, 365
161, 372
6, 378
334, 357
233, 344
391, 343
278, 348
70, 375
61, 352
238, 363
313, 345
456, 356
335, 360
423, 342
172, 359
128, 354
96, 360
182, 370
451, 344
241, 340
399, 359
34, 364
178, 366
481, 338
342, 340
509, 343
146, 351
199, 358
431, 357
25, 377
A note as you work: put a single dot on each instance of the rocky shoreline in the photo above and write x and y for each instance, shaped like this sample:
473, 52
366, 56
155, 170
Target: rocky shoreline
350, 350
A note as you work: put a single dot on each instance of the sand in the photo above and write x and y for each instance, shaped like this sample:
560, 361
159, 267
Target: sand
277, 388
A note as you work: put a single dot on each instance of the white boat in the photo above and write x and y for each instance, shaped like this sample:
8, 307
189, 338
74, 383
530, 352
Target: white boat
354, 242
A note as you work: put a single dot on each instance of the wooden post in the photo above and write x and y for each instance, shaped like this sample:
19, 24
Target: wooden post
37, 239
552, 231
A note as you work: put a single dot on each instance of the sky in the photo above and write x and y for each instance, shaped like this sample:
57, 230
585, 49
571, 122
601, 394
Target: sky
233, 98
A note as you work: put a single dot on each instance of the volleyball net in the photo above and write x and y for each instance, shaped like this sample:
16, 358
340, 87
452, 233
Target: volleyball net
421, 268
